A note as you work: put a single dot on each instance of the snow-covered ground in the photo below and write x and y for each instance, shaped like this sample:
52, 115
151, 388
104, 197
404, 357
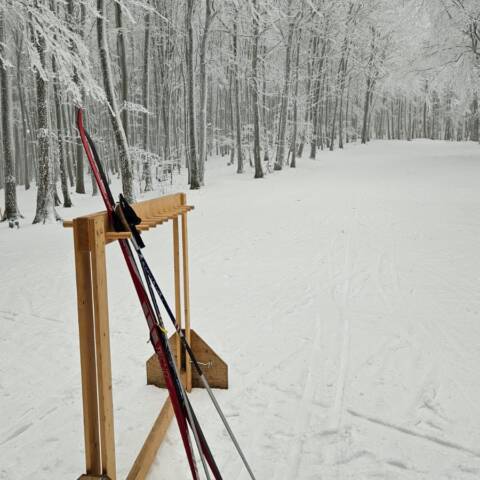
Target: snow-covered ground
344, 295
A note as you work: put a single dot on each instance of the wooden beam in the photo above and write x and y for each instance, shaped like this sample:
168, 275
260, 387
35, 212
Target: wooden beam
176, 272
113, 236
102, 339
145, 458
86, 336
186, 290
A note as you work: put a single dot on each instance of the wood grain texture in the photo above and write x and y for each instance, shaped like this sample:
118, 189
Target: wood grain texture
186, 289
93, 462
102, 339
176, 274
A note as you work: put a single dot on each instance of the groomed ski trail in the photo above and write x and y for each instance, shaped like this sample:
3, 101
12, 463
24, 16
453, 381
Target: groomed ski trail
344, 296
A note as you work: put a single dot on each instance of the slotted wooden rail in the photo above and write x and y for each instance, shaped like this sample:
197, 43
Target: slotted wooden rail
91, 234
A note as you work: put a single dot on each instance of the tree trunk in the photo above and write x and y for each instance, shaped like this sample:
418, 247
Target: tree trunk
475, 120
45, 203
73, 22
316, 101
21, 99
255, 106
147, 168
341, 74
425, 129
293, 148
312, 52
231, 104
11, 210
122, 58
202, 133
282, 124
366, 112
67, 202
120, 138
237, 97
69, 154
194, 170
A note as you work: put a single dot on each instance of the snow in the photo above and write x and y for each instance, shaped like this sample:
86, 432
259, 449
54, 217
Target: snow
344, 296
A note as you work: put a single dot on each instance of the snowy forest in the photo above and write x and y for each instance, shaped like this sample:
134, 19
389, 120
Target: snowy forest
167, 84
318, 314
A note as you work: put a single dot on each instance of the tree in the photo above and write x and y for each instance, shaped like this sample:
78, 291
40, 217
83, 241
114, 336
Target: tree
282, 123
119, 133
255, 89
147, 172
202, 134
45, 182
293, 148
19, 41
11, 209
236, 82
76, 26
122, 58
192, 147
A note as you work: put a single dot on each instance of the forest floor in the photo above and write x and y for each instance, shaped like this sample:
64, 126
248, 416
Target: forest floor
344, 296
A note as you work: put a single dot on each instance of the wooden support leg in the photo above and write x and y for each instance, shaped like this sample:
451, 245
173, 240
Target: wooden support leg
102, 339
152, 443
87, 348
186, 292
178, 302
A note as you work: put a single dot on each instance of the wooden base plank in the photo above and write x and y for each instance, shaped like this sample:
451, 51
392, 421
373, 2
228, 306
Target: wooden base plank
152, 443
92, 477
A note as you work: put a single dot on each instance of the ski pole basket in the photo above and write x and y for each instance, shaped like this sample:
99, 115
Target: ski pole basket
92, 233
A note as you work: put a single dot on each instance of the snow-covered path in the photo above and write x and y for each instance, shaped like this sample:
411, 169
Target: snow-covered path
344, 295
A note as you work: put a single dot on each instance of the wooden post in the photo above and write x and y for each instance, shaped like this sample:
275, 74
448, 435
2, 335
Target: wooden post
87, 347
96, 233
178, 301
186, 292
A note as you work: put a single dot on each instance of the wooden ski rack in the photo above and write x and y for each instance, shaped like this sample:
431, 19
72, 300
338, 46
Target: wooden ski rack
91, 234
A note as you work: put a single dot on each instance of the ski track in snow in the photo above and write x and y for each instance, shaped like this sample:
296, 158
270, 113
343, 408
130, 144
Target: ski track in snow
344, 295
